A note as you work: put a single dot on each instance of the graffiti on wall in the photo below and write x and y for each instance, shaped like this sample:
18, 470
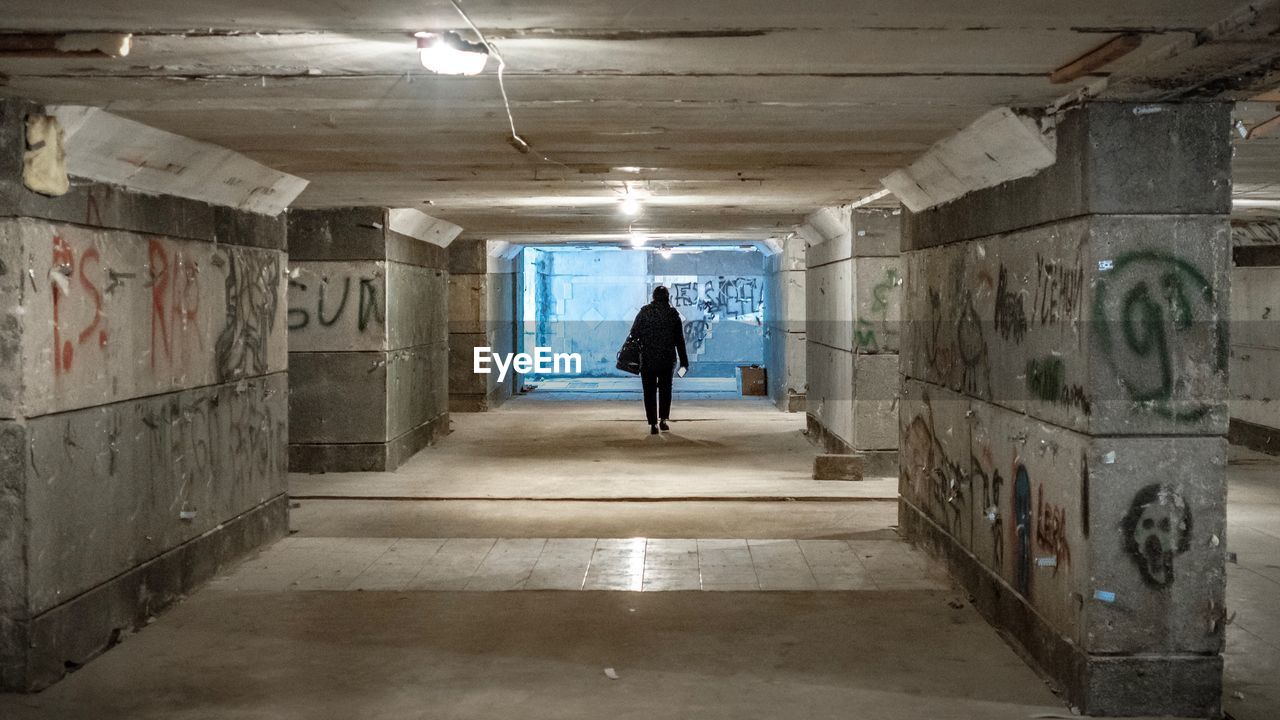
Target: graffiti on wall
696, 334
1046, 379
1059, 291
1010, 315
704, 304
1022, 529
143, 300
931, 474
721, 297
992, 487
218, 434
1156, 530
251, 291
358, 304
1051, 530
181, 446
874, 331
175, 303
971, 349
1145, 306
67, 277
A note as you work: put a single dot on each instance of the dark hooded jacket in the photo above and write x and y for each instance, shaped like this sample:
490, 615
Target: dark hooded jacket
661, 335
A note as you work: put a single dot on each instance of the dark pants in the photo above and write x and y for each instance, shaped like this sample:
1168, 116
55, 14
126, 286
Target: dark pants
656, 383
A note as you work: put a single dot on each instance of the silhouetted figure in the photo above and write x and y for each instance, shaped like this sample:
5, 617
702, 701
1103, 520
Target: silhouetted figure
660, 333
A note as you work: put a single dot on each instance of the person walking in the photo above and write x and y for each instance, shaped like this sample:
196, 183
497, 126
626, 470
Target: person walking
660, 333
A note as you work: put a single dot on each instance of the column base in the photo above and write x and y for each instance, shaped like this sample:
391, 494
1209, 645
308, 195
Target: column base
476, 402
1176, 685
876, 463
824, 438
366, 457
791, 402
39, 651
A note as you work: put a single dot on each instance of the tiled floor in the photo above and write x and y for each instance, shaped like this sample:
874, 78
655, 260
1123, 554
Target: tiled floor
625, 564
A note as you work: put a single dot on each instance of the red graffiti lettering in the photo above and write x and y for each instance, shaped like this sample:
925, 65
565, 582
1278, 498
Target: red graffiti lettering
158, 262
87, 334
1051, 529
63, 262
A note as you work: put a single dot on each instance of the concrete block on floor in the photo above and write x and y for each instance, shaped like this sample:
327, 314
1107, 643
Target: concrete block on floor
837, 467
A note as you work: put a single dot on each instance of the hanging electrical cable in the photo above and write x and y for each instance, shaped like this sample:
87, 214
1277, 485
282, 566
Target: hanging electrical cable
515, 140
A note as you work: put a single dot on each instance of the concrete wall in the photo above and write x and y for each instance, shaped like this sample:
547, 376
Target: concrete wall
142, 407
784, 322
482, 304
853, 289
367, 342
720, 295
584, 301
1255, 336
1064, 401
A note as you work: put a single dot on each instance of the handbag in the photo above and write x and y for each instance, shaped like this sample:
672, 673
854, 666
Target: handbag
629, 356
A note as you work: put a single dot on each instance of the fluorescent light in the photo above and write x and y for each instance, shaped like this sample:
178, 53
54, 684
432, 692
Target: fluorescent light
664, 251
638, 239
449, 54
1255, 203
630, 206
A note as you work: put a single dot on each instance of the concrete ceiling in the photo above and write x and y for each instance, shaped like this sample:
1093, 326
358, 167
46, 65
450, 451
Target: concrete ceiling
735, 117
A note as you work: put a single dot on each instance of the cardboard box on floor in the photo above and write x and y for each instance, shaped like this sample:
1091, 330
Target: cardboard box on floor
751, 380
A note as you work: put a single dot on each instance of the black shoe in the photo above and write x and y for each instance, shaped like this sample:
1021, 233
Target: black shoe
653, 429
663, 426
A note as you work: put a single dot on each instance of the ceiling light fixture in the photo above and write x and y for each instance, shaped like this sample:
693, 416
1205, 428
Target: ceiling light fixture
638, 239
665, 252
448, 54
515, 140
630, 205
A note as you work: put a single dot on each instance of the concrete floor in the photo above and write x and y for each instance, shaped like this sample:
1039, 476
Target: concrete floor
547, 448
287, 648
838, 519
375, 655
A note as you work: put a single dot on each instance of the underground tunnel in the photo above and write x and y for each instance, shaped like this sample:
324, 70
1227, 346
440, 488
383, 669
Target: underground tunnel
463, 358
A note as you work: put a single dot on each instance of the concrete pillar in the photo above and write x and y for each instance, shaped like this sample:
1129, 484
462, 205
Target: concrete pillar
877, 301
853, 289
367, 341
1255, 336
1064, 371
142, 406
482, 300
784, 323
829, 328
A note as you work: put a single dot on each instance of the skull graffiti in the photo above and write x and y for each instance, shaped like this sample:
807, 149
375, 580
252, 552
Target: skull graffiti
1157, 529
